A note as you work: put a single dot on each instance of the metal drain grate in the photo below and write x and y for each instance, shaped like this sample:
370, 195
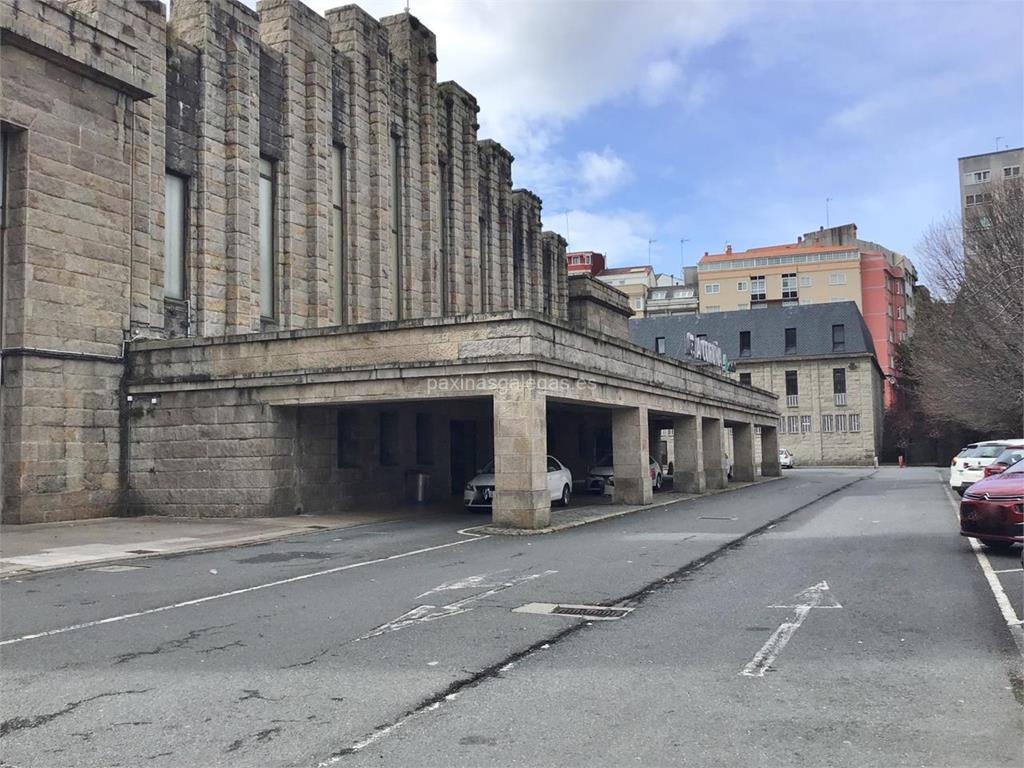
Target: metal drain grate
593, 612
590, 612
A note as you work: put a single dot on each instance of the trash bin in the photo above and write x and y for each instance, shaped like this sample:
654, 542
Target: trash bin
418, 485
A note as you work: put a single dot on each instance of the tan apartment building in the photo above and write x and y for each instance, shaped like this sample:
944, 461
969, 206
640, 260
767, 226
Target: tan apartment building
632, 281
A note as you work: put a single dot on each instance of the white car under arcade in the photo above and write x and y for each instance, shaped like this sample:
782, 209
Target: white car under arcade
479, 492
601, 477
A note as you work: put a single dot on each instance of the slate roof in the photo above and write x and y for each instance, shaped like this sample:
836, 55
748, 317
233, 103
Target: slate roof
813, 323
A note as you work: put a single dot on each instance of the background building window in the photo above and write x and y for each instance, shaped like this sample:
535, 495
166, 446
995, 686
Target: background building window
744, 343
742, 285
659, 345
793, 422
837, 278
715, 308
782, 425
840, 422
268, 257
839, 381
1011, 172
855, 422
175, 232
791, 341
792, 389
826, 423
757, 288
805, 281
805, 424
712, 287
789, 290
338, 230
838, 338
745, 379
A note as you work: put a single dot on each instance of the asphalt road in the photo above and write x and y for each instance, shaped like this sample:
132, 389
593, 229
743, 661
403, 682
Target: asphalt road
397, 644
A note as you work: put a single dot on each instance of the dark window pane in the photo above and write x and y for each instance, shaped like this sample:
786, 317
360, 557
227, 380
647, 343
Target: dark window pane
791, 383
790, 341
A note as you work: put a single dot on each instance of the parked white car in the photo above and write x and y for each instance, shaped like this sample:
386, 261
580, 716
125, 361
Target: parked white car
968, 466
786, 460
601, 477
479, 492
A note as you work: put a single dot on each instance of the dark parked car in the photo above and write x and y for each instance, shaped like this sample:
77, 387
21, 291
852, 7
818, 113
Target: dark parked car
1006, 459
992, 509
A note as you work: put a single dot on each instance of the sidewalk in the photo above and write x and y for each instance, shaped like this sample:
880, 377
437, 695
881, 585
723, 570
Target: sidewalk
26, 549
45, 546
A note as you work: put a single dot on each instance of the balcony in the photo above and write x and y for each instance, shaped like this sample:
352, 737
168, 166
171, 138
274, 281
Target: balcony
840, 398
792, 401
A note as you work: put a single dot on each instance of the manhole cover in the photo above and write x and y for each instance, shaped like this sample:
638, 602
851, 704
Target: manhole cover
595, 612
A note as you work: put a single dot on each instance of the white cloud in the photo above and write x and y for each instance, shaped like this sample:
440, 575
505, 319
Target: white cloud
601, 173
661, 77
621, 234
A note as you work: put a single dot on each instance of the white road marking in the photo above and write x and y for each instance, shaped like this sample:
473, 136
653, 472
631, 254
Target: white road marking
425, 613
818, 596
1013, 622
82, 554
1010, 570
234, 592
470, 582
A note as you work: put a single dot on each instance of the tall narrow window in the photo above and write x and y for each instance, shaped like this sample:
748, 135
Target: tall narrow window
338, 231
396, 225
838, 338
268, 258
791, 341
792, 390
659, 345
446, 202
839, 381
175, 196
744, 343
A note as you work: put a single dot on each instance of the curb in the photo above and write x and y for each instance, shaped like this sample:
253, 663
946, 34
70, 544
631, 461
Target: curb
495, 530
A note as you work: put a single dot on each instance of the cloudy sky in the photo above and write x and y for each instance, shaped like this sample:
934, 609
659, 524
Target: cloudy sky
734, 121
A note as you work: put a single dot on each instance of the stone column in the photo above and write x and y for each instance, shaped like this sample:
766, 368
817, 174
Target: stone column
770, 452
688, 458
630, 449
743, 446
712, 438
521, 498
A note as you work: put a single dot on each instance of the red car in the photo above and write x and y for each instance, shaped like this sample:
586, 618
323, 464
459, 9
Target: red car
992, 510
1007, 458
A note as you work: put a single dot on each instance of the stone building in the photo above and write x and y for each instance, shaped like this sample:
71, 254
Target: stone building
259, 262
818, 359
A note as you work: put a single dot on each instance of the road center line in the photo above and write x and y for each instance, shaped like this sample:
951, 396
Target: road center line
1013, 622
234, 592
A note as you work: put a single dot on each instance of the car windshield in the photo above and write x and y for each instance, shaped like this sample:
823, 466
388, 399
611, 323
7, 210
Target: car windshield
604, 461
1010, 456
1015, 469
987, 451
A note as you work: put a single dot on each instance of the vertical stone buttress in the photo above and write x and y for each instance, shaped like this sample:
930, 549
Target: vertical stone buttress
414, 49
527, 257
495, 184
459, 110
556, 276
226, 188
361, 40
301, 38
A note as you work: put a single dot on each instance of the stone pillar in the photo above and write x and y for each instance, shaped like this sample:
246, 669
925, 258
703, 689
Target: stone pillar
714, 477
688, 458
743, 446
630, 450
521, 498
770, 452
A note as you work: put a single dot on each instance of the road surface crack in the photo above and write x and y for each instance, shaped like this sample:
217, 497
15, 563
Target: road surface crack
170, 645
21, 723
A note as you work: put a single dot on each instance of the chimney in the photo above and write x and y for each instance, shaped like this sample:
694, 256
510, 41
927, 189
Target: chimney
728, 248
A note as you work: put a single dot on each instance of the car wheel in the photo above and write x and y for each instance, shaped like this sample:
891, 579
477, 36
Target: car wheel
566, 496
997, 546
657, 482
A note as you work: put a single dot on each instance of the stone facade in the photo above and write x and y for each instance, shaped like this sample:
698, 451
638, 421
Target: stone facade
343, 237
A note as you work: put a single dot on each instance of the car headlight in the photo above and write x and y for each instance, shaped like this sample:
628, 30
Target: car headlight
469, 487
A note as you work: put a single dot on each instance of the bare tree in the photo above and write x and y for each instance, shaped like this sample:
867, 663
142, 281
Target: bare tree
968, 345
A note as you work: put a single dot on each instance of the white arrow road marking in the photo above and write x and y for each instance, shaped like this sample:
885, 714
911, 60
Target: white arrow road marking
470, 582
818, 596
425, 613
